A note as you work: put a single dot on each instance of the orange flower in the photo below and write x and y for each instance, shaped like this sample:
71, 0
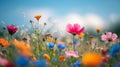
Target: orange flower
98, 30
34, 58
26, 53
46, 56
61, 58
92, 59
4, 42
24, 48
81, 35
37, 17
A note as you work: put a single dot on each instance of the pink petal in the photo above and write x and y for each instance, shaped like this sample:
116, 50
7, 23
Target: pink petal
81, 30
69, 28
104, 37
109, 34
76, 27
114, 37
75, 54
71, 53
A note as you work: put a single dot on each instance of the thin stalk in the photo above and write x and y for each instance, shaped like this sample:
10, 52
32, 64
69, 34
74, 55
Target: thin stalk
73, 43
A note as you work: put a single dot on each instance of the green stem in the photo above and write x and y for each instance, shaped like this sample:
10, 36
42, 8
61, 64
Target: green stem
73, 42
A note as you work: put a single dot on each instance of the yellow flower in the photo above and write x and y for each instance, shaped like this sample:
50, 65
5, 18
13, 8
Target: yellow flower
61, 58
49, 39
98, 30
81, 35
43, 48
92, 59
37, 17
4, 42
46, 56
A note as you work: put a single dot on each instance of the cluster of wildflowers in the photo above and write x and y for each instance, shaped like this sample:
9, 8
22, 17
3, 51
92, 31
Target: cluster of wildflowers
37, 48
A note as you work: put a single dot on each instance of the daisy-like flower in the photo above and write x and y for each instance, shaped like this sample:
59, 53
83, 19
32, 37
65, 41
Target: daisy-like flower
72, 53
109, 36
74, 29
4, 42
12, 29
92, 59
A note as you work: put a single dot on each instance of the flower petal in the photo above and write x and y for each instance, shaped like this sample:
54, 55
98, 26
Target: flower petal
114, 37
69, 28
81, 30
104, 37
109, 34
76, 27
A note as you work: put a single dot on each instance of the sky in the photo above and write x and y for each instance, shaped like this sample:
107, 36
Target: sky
88, 13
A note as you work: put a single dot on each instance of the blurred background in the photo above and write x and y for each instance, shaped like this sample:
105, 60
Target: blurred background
57, 13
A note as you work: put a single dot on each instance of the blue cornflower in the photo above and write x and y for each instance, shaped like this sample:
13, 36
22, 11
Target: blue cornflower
40, 63
114, 50
76, 64
75, 42
22, 61
51, 45
61, 46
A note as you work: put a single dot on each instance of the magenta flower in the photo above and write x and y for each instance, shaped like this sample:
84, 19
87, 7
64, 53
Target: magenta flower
12, 29
109, 36
74, 29
72, 53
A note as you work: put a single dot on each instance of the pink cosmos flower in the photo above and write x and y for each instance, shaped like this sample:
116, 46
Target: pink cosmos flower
11, 29
72, 53
74, 29
109, 36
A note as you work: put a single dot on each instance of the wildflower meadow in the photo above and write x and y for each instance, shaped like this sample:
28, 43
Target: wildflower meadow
32, 48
